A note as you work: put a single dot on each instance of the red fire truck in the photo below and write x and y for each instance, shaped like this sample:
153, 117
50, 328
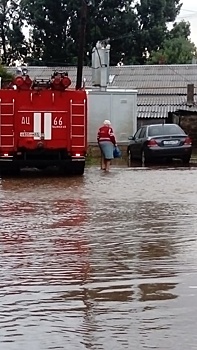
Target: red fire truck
42, 124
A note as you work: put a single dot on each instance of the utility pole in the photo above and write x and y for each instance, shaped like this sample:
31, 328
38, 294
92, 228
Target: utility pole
82, 32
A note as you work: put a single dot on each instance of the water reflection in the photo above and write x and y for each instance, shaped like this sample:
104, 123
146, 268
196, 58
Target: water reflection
156, 291
102, 261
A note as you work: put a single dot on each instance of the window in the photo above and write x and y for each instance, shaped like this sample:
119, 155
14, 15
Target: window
142, 133
136, 136
165, 130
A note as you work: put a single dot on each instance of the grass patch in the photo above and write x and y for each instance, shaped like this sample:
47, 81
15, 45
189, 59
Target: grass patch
90, 160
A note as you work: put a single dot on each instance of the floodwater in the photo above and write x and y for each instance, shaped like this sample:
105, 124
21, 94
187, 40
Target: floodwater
105, 261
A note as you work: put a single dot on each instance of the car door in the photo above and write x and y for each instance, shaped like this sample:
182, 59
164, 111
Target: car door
134, 144
140, 142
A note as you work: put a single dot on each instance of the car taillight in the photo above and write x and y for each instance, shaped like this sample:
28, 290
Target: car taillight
152, 143
187, 141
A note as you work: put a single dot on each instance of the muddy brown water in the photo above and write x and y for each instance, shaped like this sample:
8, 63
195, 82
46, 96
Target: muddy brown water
105, 261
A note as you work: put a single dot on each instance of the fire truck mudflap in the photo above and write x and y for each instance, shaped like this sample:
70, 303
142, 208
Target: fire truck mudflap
43, 125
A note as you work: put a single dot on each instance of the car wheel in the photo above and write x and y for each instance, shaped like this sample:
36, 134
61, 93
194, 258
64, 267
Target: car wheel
169, 159
144, 159
129, 158
186, 159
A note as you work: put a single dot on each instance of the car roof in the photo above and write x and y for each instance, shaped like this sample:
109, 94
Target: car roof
161, 124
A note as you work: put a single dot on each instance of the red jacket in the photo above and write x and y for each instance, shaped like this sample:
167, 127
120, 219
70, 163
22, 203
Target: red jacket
106, 133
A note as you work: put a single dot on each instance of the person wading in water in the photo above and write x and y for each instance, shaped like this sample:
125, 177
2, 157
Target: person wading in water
106, 141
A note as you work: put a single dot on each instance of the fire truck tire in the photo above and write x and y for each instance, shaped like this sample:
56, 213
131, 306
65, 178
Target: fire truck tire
10, 171
78, 168
75, 169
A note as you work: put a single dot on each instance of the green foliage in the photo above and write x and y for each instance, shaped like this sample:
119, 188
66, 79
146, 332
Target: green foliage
181, 29
177, 48
11, 36
153, 16
134, 29
175, 51
5, 76
51, 40
114, 19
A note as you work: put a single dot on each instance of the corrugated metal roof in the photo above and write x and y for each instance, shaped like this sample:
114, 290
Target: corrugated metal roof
160, 106
157, 79
161, 88
46, 72
160, 111
163, 100
148, 79
163, 91
154, 111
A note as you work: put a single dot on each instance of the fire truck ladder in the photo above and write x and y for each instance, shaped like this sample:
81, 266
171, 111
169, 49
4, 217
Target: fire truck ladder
7, 112
78, 110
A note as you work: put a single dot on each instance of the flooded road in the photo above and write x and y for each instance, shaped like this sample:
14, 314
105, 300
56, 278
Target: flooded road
105, 261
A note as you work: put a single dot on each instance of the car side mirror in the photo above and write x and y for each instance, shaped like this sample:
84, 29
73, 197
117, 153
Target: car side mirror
131, 138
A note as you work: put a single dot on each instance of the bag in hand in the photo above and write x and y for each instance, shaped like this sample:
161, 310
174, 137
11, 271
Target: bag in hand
117, 152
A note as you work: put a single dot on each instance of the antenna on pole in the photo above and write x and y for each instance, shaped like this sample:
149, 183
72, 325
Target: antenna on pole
82, 32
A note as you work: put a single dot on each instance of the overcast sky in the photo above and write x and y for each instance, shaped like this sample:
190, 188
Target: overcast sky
189, 13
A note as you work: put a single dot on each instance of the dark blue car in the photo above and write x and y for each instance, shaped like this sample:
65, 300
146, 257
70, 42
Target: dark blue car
159, 141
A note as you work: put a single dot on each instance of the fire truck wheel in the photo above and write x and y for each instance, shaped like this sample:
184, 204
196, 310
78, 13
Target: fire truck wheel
75, 169
5, 172
16, 171
10, 172
78, 168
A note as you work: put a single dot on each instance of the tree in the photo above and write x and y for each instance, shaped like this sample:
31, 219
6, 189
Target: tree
116, 20
5, 76
175, 51
177, 48
153, 16
181, 29
11, 37
55, 28
134, 28
50, 21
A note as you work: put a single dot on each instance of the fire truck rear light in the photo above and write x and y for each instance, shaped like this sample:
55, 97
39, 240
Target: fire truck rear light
78, 155
6, 155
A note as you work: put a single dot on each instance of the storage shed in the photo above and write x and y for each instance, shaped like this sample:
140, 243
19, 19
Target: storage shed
117, 105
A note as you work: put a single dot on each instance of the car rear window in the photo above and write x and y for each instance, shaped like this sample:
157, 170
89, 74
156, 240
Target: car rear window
165, 129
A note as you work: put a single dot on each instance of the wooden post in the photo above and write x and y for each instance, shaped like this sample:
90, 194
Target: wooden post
82, 32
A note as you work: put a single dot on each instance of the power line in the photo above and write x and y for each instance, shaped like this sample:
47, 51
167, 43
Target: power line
189, 10
193, 15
